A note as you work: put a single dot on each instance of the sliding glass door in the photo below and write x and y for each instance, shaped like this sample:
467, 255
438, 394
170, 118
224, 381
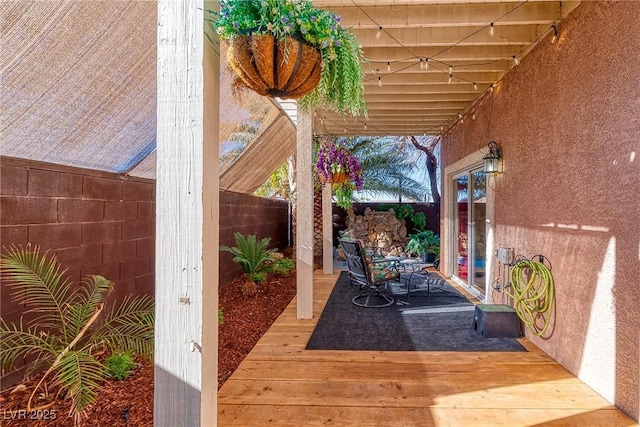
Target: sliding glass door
470, 225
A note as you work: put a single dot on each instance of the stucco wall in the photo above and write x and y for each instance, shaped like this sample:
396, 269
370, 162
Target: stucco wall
568, 122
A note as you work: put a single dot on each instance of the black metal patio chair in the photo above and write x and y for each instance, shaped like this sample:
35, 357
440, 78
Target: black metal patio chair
370, 275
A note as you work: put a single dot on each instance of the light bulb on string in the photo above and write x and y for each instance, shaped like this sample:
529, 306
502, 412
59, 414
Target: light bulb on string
492, 30
365, 126
475, 86
441, 128
380, 81
491, 87
473, 116
460, 118
388, 67
379, 33
450, 69
450, 78
421, 64
426, 63
555, 33
516, 61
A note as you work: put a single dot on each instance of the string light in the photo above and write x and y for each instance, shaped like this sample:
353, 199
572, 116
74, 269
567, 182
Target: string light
460, 117
424, 65
365, 126
473, 116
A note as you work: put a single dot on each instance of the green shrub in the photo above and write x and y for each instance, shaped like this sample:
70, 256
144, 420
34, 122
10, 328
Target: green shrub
419, 220
402, 211
119, 365
424, 242
283, 267
252, 255
220, 316
69, 325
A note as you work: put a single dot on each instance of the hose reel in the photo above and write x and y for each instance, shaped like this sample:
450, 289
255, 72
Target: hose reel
532, 291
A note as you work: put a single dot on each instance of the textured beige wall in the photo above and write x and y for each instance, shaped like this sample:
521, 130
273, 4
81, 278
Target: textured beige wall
568, 121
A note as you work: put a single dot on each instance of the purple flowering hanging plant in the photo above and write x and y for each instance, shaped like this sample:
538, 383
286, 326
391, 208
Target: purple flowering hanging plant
334, 159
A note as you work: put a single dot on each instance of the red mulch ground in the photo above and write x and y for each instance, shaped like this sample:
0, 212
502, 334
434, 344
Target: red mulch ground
245, 321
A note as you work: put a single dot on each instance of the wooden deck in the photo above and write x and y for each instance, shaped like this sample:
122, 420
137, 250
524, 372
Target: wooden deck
282, 384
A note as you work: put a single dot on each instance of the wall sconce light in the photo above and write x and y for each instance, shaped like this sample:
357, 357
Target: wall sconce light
491, 161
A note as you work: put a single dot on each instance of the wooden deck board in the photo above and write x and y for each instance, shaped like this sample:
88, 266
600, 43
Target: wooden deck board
281, 384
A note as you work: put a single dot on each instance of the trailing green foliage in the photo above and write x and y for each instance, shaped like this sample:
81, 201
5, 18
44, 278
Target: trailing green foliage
69, 324
220, 316
119, 365
251, 254
344, 194
341, 86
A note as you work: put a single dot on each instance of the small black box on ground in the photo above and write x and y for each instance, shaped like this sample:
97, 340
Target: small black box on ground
496, 321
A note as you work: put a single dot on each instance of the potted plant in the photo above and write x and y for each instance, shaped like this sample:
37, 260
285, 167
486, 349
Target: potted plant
426, 244
337, 167
292, 49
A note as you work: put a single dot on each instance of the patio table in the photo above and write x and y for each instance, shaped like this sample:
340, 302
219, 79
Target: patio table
420, 276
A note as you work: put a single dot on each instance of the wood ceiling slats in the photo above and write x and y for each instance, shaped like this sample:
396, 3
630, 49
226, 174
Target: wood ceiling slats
451, 33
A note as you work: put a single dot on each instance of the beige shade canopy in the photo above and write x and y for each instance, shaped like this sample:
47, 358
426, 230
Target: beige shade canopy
79, 79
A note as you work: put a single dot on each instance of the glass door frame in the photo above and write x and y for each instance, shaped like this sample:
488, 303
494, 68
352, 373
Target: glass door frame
466, 166
471, 230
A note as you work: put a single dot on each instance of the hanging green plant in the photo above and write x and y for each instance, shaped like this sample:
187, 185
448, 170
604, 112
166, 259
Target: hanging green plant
336, 166
290, 49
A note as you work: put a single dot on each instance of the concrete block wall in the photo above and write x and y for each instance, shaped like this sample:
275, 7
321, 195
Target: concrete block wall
249, 214
103, 223
94, 222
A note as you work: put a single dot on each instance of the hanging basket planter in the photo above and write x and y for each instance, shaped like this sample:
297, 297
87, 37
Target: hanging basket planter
339, 177
286, 68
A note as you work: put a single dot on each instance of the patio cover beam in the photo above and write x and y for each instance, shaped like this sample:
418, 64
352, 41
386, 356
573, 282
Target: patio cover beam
304, 215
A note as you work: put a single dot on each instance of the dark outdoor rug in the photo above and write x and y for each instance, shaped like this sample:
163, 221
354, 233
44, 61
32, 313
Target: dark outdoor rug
442, 321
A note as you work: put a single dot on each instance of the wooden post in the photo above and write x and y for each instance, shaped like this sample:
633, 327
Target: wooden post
327, 231
304, 222
187, 217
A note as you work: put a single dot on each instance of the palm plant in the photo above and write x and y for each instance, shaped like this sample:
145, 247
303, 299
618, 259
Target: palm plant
252, 255
70, 325
387, 167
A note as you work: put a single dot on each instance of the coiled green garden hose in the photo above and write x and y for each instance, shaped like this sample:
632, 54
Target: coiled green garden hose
533, 292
